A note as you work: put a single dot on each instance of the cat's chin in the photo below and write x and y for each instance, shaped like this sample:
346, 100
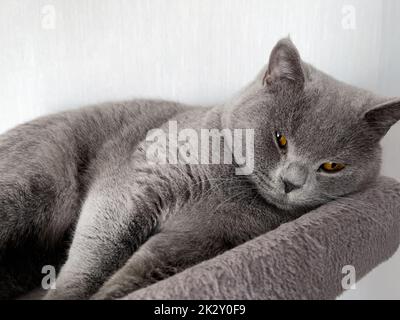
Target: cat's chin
292, 207
282, 202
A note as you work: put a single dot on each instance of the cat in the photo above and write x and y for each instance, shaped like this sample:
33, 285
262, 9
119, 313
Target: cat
78, 191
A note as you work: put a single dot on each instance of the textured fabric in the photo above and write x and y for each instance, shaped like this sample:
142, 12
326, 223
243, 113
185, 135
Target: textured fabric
302, 259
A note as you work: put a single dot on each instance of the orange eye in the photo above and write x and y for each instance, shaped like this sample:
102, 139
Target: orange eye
282, 141
332, 167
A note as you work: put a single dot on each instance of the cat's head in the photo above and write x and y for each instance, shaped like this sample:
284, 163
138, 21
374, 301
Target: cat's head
316, 138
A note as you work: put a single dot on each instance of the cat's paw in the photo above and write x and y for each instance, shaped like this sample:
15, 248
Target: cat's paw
66, 293
117, 288
56, 295
108, 293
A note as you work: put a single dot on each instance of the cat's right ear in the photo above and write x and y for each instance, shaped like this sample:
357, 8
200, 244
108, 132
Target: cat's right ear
383, 116
284, 66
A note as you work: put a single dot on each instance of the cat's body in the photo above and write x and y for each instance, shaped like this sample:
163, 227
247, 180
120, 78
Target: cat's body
84, 175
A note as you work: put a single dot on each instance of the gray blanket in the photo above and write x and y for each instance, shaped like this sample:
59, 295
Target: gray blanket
303, 259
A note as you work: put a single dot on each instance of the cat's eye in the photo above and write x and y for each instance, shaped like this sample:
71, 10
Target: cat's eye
332, 167
281, 140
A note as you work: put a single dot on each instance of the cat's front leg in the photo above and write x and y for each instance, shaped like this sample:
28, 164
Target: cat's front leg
149, 264
117, 217
163, 255
113, 223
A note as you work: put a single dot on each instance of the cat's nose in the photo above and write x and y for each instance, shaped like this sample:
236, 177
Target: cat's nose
294, 177
289, 187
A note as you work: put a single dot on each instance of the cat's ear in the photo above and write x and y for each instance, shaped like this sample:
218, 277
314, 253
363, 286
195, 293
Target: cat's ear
284, 66
383, 116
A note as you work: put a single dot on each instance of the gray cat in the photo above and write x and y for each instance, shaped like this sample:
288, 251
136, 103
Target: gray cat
77, 190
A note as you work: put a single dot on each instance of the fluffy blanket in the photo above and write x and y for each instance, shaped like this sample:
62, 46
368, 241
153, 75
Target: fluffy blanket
303, 259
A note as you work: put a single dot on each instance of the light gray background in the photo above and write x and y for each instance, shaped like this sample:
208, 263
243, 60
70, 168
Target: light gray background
61, 54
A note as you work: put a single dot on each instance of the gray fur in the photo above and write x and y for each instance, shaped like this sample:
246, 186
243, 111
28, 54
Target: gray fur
82, 177
302, 259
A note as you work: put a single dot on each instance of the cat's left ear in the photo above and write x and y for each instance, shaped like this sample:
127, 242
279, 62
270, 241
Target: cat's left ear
383, 116
285, 66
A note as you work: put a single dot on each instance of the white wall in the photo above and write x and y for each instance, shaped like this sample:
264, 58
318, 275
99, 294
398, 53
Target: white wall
58, 54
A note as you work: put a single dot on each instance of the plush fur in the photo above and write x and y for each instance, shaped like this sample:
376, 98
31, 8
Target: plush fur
302, 259
84, 176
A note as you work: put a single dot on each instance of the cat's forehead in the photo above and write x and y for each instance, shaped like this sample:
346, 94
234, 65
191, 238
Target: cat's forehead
326, 119
330, 101
317, 110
